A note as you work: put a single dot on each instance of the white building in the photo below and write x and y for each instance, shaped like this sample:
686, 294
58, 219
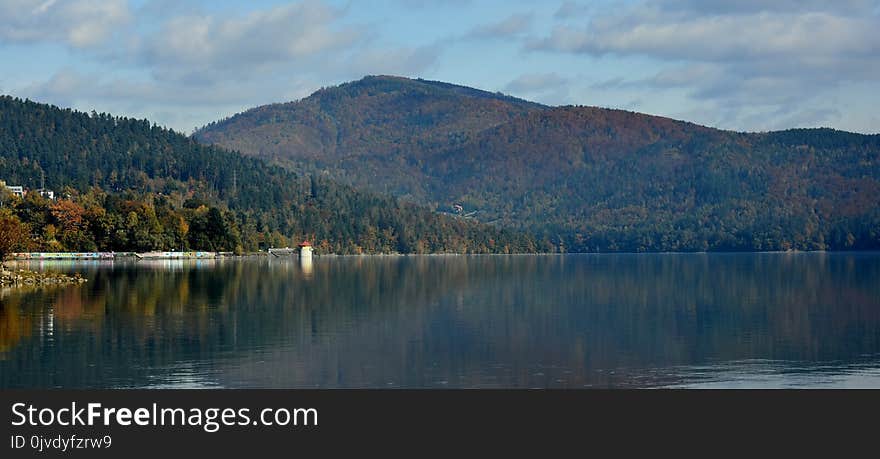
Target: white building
16, 190
305, 250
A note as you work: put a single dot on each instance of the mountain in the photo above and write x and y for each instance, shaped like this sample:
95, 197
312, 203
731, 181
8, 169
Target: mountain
377, 133
127, 184
590, 179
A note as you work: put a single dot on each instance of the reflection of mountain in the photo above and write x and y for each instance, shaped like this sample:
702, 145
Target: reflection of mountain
462, 321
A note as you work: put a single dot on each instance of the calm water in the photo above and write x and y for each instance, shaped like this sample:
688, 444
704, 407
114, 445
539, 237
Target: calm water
744, 320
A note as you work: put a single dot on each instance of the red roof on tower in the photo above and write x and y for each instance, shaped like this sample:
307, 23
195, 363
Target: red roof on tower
305, 244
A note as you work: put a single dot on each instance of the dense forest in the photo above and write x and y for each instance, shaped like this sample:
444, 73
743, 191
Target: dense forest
586, 178
377, 133
129, 185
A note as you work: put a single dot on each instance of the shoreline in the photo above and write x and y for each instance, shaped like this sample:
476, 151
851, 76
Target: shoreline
25, 277
181, 256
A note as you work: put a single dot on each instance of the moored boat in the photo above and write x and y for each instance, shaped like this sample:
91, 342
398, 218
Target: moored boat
63, 256
175, 255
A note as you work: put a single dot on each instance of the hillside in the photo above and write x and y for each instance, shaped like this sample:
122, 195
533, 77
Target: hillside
590, 179
375, 133
127, 184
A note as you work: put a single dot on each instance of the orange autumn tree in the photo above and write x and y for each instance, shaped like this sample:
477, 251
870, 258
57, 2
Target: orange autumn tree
69, 217
13, 236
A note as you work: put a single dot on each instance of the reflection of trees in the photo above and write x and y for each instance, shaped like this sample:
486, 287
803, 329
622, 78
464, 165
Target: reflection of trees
576, 314
467, 320
13, 324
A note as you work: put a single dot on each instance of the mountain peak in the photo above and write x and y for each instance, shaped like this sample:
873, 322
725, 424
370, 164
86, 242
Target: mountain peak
397, 112
391, 84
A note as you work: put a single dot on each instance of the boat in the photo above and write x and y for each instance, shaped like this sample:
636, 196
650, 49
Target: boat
64, 256
174, 255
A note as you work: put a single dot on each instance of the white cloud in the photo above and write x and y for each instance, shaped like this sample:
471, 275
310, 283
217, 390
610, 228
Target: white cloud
721, 37
201, 66
511, 26
751, 6
755, 59
751, 62
76, 23
276, 35
307, 38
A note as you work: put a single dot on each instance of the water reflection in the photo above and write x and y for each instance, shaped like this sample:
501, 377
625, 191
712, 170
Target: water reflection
771, 374
307, 267
451, 321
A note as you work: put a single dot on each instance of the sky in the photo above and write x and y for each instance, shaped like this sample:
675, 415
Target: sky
747, 65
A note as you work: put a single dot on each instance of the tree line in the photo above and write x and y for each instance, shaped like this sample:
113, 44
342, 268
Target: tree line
129, 185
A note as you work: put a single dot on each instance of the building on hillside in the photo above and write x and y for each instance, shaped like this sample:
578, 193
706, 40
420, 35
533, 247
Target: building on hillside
15, 190
48, 194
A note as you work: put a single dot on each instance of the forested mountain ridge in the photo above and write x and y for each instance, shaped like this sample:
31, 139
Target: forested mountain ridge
354, 129
127, 184
587, 178
400, 112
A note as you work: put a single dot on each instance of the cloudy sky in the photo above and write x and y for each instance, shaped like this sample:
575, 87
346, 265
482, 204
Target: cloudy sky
746, 65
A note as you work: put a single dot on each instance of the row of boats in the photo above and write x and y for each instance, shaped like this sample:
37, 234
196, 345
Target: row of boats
115, 255
304, 250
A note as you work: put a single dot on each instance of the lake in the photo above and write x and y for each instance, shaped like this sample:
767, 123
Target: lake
545, 321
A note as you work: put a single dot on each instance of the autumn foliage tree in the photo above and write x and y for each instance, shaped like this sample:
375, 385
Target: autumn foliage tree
13, 235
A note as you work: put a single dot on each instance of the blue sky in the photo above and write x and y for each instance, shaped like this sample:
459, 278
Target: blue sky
744, 65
